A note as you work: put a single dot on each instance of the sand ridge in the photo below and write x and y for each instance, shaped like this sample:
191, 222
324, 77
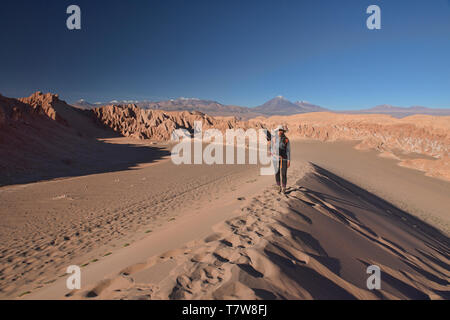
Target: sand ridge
314, 243
81, 220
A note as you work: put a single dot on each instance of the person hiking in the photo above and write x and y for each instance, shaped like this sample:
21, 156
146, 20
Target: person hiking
281, 151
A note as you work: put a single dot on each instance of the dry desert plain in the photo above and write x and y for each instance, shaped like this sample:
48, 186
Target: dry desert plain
141, 227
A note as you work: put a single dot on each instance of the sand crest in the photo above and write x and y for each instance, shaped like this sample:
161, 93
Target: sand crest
314, 243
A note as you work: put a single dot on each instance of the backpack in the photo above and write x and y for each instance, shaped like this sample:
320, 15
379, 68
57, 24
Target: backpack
283, 146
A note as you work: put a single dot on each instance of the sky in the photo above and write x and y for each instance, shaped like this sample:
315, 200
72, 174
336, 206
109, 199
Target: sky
239, 52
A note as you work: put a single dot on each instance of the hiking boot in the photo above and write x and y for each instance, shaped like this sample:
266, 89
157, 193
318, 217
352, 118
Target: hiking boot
280, 189
283, 190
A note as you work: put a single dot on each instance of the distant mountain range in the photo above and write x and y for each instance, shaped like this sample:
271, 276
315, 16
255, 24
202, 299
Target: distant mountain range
83, 104
284, 107
212, 108
276, 106
401, 112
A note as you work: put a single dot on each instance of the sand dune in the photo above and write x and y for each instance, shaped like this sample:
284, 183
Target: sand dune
320, 236
48, 226
314, 243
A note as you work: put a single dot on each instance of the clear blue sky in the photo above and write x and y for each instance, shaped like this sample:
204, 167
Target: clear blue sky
236, 52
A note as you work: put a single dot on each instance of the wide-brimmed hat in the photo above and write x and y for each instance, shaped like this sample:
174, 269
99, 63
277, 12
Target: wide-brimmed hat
281, 128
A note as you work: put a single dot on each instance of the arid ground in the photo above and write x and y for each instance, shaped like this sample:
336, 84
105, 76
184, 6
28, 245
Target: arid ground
97, 189
162, 231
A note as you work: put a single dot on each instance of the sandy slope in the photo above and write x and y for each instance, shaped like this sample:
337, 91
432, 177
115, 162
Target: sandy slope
314, 243
49, 225
424, 197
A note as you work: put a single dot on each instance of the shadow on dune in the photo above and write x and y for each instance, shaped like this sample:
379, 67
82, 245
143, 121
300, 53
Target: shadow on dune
407, 290
317, 285
45, 150
393, 240
433, 236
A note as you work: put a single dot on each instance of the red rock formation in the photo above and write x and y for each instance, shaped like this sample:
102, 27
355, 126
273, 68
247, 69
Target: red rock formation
158, 125
45, 104
419, 134
434, 168
42, 137
426, 135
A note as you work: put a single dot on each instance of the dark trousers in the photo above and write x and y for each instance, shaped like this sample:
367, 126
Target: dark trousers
282, 171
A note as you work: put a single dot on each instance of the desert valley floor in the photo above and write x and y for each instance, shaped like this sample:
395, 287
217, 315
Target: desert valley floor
160, 231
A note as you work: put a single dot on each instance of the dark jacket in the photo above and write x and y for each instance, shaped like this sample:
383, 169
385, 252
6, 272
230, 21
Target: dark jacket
285, 148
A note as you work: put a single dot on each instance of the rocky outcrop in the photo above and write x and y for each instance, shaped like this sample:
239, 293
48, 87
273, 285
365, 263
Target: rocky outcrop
46, 118
439, 168
42, 137
12, 110
420, 135
15, 112
45, 104
132, 121
425, 135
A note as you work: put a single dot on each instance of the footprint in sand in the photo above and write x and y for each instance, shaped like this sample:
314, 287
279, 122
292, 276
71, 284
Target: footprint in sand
63, 197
